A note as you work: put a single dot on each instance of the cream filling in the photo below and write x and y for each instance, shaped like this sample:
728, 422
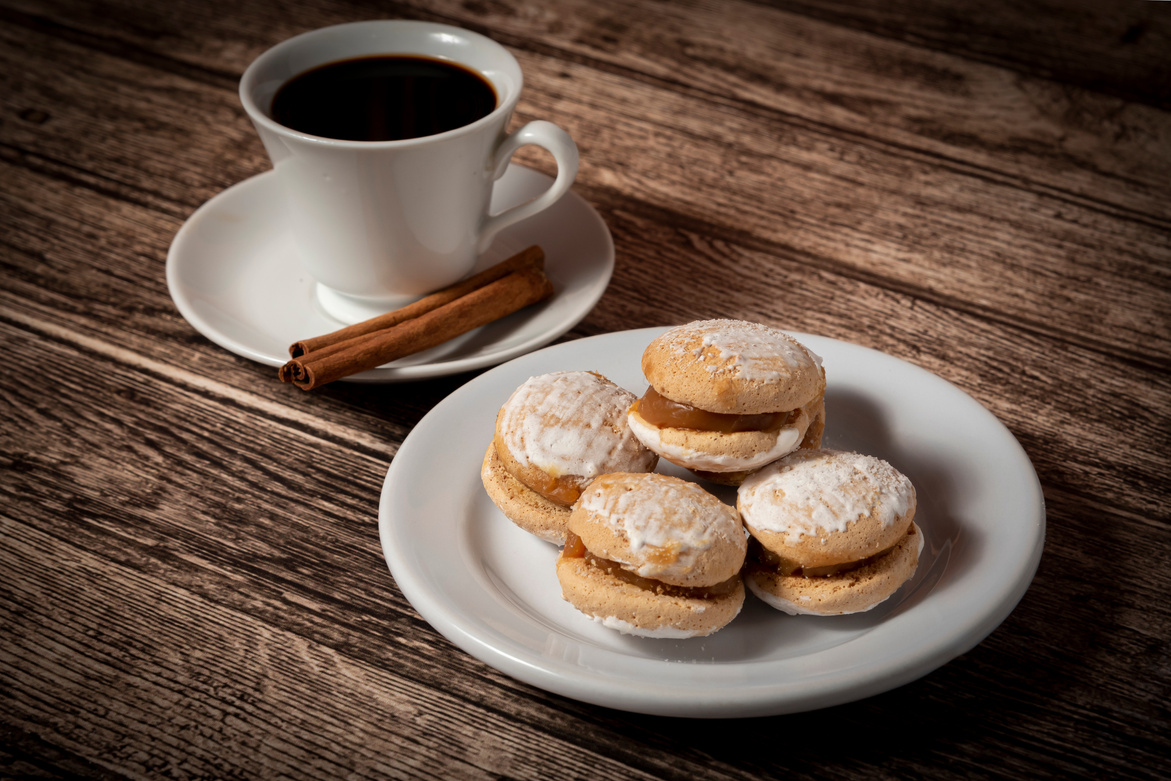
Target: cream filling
787, 440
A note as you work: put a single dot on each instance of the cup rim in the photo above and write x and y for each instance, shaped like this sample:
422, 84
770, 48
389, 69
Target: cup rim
260, 117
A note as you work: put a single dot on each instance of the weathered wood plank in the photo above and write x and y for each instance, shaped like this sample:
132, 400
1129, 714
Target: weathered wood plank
157, 681
874, 91
148, 136
1116, 48
1039, 134
246, 570
190, 579
25, 756
942, 234
984, 357
1007, 368
210, 519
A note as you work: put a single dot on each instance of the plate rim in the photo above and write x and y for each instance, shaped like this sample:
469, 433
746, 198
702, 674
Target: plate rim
183, 300
767, 699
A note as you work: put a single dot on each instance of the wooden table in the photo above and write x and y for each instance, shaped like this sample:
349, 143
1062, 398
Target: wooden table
191, 583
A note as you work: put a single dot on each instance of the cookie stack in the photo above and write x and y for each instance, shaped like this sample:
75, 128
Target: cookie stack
727, 397
554, 435
813, 532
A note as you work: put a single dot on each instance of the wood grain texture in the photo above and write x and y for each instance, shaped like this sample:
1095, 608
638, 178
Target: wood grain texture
1116, 49
950, 233
228, 550
191, 583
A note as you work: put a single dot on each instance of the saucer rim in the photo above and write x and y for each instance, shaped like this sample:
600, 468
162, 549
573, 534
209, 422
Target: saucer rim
603, 265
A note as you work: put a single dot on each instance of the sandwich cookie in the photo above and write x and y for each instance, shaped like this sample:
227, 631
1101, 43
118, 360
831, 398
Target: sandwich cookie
833, 532
554, 435
727, 397
654, 556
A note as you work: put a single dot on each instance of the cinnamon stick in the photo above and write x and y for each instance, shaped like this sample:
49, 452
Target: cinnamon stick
478, 307
533, 256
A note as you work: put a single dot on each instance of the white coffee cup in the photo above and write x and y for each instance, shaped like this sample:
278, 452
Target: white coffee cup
379, 223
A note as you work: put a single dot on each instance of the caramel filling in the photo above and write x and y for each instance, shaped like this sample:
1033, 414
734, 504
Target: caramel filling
662, 412
785, 567
560, 490
576, 549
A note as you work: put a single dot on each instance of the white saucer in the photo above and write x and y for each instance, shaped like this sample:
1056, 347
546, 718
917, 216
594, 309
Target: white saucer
491, 588
233, 274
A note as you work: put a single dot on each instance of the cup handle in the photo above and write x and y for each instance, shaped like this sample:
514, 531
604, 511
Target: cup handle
564, 150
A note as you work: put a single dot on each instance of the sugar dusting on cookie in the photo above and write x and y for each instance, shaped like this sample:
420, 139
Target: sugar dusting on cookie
751, 351
823, 491
666, 522
787, 438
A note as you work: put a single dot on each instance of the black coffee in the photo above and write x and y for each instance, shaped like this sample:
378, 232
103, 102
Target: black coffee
384, 98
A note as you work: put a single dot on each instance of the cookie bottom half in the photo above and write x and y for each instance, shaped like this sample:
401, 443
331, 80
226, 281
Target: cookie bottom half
520, 504
635, 610
852, 591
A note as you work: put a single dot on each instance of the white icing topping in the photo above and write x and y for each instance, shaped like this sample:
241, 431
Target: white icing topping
751, 351
787, 439
813, 492
666, 514
572, 424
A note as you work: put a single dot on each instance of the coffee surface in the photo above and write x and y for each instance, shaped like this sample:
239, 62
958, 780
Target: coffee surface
383, 98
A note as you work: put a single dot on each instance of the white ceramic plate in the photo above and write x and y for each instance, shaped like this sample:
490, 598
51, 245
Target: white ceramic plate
491, 588
233, 274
